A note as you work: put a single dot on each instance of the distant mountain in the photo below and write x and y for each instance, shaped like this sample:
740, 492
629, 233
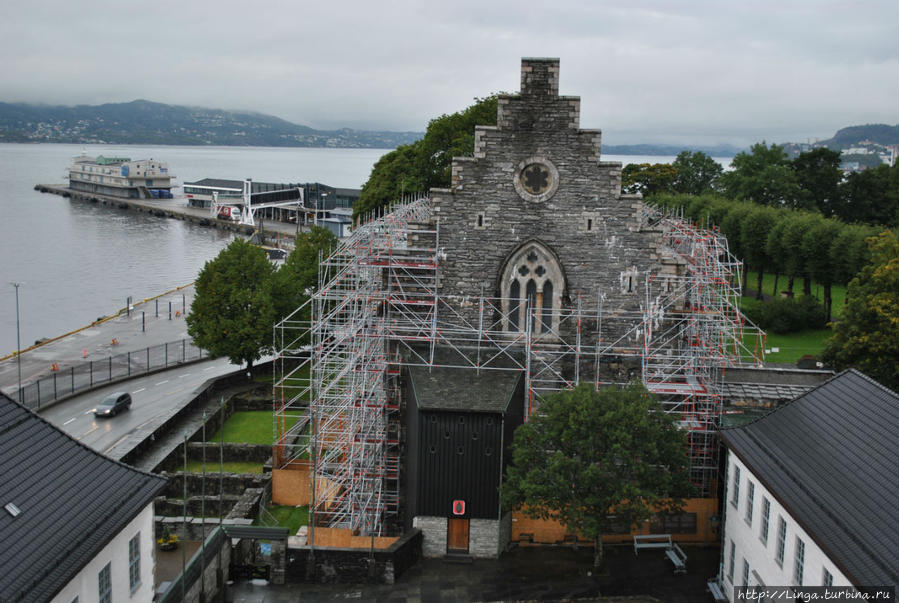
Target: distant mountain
881, 134
145, 122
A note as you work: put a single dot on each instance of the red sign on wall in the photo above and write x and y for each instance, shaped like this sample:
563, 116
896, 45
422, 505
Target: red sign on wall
458, 507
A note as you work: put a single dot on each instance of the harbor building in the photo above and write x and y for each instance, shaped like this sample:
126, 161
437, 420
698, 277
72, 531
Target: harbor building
441, 323
121, 177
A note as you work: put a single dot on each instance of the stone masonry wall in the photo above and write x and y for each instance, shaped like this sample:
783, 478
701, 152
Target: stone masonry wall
583, 217
484, 538
433, 531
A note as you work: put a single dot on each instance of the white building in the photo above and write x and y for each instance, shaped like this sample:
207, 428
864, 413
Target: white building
121, 177
75, 525
810, 497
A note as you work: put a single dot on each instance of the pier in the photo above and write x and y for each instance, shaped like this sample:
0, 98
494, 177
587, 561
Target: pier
177, 209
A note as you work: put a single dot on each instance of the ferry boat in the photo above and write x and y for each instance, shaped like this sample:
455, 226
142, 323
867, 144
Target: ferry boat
121, 177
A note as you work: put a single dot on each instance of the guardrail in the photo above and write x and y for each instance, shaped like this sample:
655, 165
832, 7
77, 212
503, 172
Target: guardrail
95, 373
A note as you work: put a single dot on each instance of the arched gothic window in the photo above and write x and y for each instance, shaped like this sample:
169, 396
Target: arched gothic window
532, 282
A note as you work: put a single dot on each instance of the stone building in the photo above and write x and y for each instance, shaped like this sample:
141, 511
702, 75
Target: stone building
530, 274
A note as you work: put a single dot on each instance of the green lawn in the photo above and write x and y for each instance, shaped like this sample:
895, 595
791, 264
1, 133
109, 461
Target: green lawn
250, 427
837, 292
212, 466
289, 517
792, 346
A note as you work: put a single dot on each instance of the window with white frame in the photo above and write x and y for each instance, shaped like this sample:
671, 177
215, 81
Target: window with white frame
766, 513
745, 572
800, 562
735, 498
134, 562
750, 500
781, 540
733, 560
828, 578
105, 584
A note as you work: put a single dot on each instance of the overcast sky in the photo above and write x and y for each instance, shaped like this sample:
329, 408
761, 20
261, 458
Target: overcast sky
671, 71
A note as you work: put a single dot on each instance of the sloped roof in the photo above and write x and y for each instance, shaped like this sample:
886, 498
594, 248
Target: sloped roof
73, 501
831, 459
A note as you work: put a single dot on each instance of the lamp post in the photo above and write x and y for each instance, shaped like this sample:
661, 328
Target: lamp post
18, 344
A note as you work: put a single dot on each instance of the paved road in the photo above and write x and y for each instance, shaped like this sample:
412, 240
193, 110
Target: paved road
142, 329
155, 398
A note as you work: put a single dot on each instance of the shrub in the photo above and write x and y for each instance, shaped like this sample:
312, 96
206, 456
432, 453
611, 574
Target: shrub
787, 315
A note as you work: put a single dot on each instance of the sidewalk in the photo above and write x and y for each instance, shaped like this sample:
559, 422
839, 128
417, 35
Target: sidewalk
524, 574
111, 336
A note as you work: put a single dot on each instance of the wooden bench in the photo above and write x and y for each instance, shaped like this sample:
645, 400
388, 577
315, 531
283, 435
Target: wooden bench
678, 557
717, 591
651, 541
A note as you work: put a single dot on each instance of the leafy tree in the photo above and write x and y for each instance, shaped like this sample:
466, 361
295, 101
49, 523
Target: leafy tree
586, 455
648, 178
753, 239
816, 244
867, 336
297, 277
795, 261
426, 163
763, 175
871, 196
818, 176
232, 313
697, 173
732, 227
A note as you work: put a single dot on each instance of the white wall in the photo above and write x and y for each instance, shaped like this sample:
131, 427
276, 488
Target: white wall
85, 585
761, 555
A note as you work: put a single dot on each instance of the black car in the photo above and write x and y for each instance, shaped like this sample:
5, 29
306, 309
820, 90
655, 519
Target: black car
113, 404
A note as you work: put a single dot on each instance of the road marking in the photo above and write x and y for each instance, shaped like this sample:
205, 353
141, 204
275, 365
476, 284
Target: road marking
174, 391
137, 391
87, 412
163, 382
70, 420
187, 375
209, 369
116, 443
90, 431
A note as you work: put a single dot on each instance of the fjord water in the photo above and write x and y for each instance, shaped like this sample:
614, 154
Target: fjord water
78, 261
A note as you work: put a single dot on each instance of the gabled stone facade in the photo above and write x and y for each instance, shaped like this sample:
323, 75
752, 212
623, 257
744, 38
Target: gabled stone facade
536, 183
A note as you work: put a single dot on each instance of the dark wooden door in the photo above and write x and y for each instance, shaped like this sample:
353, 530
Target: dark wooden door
457, 535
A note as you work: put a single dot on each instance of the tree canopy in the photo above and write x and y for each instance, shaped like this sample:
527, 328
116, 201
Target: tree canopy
592, 460
297, 277
426, 163
232, 313
648, 178
763, 175
697, 173
867, 336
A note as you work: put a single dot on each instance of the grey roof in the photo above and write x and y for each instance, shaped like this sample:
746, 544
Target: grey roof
463, 389
770, 384
831, 459
73, 501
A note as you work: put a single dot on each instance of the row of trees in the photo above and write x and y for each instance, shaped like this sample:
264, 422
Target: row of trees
240, 295
794, 243
812, 181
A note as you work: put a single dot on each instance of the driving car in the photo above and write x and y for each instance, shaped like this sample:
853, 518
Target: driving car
113, 404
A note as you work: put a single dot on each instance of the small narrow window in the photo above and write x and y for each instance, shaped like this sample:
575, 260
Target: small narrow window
480, 220
432, 450
730, 570
735, 495
460, 450
798, 569
589, 224
766, 512
105, 584
630, 284
134, 562
828, 578
745, 572
781, 541
750, 501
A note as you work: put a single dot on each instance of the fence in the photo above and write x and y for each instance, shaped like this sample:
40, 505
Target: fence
94, 373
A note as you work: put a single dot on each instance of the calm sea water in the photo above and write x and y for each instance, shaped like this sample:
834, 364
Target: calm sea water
77, 261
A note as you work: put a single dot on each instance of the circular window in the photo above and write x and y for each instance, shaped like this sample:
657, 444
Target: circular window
536, 179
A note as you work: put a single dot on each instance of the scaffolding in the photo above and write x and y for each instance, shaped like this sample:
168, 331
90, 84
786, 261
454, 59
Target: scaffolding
377, 310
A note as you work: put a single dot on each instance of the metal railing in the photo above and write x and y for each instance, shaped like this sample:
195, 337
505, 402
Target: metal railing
89, 374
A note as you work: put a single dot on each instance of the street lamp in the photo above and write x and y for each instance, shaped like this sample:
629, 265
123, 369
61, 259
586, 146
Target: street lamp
18, 344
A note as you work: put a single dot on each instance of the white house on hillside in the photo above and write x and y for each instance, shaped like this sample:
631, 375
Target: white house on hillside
811, 491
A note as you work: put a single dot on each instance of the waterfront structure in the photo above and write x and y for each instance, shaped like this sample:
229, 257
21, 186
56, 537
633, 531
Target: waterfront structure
75, 524
811, 490
531, 268
121, 177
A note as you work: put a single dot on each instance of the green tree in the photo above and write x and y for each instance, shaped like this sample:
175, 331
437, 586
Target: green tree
587, 455
648, 178
871, 196
697, 173
732, 227
297, 278
816, 244
818, 176
232, 313
754, 230
763, 175
867, 335
426, 163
